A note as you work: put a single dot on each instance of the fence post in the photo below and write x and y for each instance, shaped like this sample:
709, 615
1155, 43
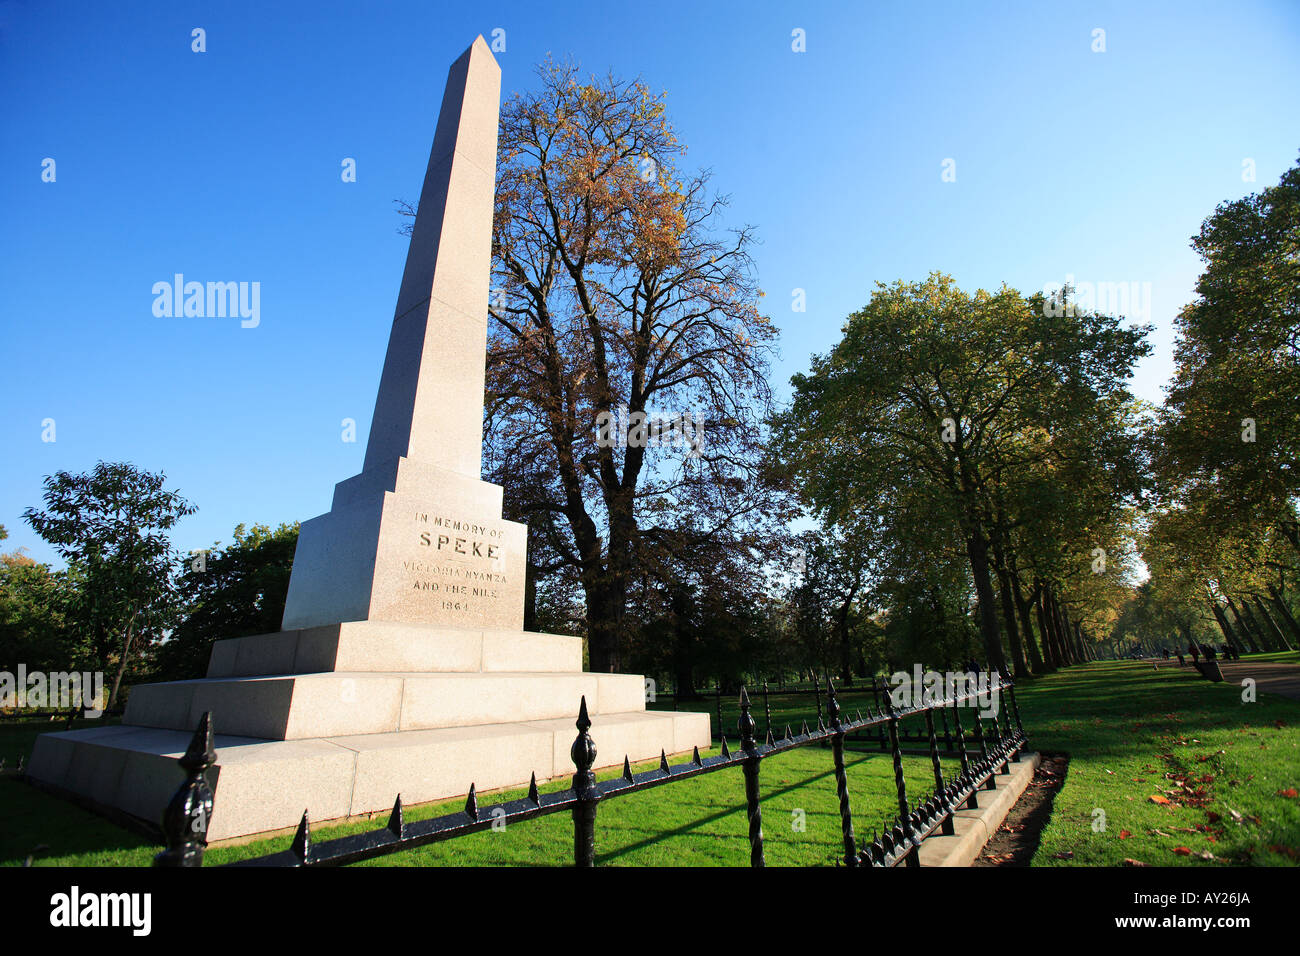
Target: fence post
875, 694
767, 712
904, 812
985, 762
719, 696
1006, 740
961, 745
747, 727
947, 734
841, 779
939, 788
583, 753
1015, 708
185, 820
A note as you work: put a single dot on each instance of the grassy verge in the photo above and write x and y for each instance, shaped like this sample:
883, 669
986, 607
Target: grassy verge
1182, 770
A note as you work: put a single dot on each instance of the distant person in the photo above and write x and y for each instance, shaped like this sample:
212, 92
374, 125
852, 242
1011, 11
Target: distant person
1181, 661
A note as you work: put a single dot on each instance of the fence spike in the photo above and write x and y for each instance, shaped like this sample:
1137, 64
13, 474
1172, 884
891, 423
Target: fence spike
770, 741
396, 822
532, 789
663, 762
788, 734
471, 803
627, 769
726, 751
301, 846
803, 731
695, 758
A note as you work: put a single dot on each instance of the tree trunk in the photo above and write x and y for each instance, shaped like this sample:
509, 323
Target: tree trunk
1049, 651
1013, 631
1062, 625
1026, 626
1232, 639
1241, 626
1265, 639
1272, 624
121, 666
977, 549
530, 597
1285, 612
846, 650
604, 626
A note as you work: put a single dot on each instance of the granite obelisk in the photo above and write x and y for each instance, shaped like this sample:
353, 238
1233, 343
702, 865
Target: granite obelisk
417, 537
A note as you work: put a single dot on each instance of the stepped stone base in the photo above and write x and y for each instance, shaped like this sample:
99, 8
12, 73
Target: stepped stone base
340, 719
265, 785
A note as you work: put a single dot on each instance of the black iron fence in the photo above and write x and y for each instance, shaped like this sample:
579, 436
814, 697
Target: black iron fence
983, 754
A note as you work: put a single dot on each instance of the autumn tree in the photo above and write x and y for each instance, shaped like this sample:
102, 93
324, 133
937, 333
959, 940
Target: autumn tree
620, 299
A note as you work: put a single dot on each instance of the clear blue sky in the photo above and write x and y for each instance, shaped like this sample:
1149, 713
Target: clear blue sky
225, 165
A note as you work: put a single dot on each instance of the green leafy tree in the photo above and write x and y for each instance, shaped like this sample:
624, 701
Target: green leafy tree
935, 400
111, 526
232, 591
37, 617
1230, 426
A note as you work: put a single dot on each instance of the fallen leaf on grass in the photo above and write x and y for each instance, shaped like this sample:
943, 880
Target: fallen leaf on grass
1289, 792
1156, 798
1067, 855
1129, 861
1124, 834
1183, 850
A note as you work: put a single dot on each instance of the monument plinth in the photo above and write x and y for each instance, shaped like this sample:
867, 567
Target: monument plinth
402, 665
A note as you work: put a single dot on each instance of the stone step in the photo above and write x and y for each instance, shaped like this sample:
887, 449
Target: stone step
296, 707
265, 785
394, 647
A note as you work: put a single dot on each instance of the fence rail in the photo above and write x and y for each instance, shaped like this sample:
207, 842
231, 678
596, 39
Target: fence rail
186, 818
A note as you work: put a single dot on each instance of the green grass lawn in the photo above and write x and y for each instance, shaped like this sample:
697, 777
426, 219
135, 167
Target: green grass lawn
1132, 733
1229, 770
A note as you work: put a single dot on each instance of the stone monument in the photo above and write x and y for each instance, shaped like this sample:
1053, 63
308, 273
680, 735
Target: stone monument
402, 666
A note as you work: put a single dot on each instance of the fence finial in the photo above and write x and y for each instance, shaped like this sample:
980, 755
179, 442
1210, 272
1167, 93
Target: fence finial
583, 753
746, 724
301, 846
185, 820
396, 820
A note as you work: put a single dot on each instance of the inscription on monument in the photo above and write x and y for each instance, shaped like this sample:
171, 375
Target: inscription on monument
460, 561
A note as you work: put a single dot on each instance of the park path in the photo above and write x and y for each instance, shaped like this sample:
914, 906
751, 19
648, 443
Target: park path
1281, 679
